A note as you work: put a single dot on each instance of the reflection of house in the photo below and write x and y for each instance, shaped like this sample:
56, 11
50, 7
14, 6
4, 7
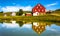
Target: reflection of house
38, 27
13, 22
38, 10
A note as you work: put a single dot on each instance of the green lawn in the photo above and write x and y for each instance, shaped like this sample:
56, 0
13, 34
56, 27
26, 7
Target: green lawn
47, 17
32, 18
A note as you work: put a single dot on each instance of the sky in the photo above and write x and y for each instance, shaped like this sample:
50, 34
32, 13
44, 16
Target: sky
27, 5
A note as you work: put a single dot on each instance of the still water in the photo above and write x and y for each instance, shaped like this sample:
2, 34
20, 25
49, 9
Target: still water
19, 28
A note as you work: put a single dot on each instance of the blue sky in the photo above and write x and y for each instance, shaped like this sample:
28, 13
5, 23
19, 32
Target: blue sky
27, 5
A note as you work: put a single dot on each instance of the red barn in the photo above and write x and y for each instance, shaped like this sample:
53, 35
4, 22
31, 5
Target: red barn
28, 14
38, 9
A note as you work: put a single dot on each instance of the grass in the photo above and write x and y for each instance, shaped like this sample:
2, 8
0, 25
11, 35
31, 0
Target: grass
51, 18
47, 17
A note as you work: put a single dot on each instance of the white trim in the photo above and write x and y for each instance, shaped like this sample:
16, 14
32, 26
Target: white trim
35, 14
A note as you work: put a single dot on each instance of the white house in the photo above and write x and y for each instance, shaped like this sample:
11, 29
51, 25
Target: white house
36, 14
13, 14
5, 15
23, 14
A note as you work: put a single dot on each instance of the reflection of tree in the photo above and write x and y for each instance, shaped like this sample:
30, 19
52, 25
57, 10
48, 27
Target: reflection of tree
58, 24
1, 21
20, 23
7, 21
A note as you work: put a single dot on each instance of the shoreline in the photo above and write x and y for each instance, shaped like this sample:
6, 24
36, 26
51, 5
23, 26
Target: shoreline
51, 18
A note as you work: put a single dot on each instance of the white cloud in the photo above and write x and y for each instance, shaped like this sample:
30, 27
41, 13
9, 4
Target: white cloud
10, 25
27, 26
49, 5
51, 29
16, 8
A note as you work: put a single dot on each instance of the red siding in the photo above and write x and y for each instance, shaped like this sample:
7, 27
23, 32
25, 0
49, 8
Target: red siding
38, 8
28, 14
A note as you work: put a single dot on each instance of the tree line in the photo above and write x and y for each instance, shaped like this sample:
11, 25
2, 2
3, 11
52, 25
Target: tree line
20, 12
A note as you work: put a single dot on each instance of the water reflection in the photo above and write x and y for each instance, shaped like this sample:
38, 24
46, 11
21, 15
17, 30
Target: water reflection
20, 23
22, 28
10, 25
38, 27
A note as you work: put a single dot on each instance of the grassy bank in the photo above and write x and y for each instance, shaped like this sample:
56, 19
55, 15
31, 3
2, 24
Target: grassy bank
32, 18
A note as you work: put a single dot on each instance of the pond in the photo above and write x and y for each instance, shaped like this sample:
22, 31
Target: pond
22, 28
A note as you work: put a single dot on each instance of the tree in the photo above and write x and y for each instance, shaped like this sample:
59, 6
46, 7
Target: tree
20, 11
49, 12
1, 12
57, 10
20, 23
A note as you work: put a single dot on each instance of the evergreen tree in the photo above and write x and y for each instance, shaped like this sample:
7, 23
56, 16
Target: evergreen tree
20, 11
1, 12
57, 10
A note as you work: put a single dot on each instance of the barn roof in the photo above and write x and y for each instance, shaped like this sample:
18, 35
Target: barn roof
39, 4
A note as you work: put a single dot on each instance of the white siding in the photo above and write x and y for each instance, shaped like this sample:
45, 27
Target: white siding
35, 14
13, 14
23, 15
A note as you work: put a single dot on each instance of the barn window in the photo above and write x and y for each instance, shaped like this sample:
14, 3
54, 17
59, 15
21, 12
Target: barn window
39, 10
39, 5
35, 10
42, 10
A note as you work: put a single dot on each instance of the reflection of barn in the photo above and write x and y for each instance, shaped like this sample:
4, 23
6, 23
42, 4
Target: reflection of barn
38, 27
